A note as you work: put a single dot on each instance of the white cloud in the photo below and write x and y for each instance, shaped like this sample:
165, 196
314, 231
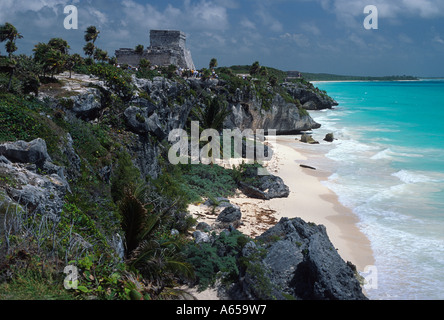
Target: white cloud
438, 39
9, 8
248, 24
299, 39
311, 29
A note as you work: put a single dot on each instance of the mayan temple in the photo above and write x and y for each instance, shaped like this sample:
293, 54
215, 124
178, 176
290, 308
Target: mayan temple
166, 47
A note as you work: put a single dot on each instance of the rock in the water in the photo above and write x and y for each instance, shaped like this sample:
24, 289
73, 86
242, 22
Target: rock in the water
308, 139
329, 137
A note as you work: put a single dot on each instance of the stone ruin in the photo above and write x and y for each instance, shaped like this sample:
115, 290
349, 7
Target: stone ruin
166, 47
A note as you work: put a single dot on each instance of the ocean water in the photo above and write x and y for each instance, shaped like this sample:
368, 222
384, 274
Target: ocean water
388, 167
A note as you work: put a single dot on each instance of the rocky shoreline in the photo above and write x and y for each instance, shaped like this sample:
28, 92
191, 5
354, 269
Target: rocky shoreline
294, 258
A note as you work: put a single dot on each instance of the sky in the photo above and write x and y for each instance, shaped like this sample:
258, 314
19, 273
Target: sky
321, 36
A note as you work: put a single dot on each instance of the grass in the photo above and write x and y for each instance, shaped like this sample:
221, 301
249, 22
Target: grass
33, 285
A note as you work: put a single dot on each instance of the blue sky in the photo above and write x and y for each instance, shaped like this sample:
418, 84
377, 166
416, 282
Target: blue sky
305, 35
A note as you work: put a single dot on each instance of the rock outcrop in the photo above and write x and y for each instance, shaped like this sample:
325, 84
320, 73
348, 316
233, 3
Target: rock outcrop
263, 187
286, 118
295, 259
34, 182
310, 97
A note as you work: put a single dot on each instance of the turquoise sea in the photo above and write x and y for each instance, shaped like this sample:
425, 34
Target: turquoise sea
387, 165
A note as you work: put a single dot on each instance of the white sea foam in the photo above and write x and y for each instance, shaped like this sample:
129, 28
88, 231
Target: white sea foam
410, 177
385, 154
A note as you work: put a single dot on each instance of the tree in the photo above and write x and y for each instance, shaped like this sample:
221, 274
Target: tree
91, 34
213, 63
112, 61
213, 115
263, 71
53, 55
144, 63
101, 55
27, 73
273, 80
139, 49
72, 61
59, 44
255, 68
89, 49
9, 32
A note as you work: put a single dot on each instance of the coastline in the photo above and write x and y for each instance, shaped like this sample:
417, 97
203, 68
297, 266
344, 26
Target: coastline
309, 199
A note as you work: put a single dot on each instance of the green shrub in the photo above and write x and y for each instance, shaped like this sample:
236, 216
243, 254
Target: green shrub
218, 259
205, 181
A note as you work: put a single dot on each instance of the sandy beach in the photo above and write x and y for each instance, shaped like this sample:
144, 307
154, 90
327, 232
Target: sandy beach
309, 199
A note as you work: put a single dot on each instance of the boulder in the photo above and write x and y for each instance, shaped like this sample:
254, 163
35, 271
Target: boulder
201, 237
230, 216
264, 187
37, 193
309, 96
203, 226
26, 152
329, 137
296, 259
308, 139
88, 105
143, 121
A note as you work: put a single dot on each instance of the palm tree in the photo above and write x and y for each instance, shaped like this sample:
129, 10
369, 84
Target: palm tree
89, 49
159, 261
139, 49
59, 44
91, 34
255, 68
73, 61
213, 115
53, 55
9, 32
213, 63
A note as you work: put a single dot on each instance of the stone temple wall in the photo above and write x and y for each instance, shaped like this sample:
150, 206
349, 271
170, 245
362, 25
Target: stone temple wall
167, 39
166, 47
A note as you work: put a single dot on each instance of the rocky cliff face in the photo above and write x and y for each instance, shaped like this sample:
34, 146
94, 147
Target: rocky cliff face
284, 117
